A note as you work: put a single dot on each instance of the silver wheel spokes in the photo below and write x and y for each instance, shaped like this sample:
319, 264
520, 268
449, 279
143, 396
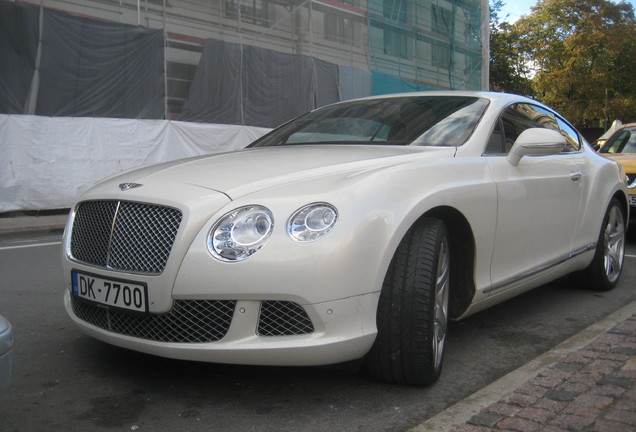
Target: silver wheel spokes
441, 302
614, 244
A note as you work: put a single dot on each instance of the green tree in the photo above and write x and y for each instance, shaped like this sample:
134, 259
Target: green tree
508, 70
584, 56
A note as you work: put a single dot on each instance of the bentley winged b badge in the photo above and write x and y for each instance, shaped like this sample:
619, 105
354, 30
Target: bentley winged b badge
127, 186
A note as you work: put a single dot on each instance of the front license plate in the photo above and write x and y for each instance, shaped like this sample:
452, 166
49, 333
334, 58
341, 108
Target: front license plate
632, 200
112, 292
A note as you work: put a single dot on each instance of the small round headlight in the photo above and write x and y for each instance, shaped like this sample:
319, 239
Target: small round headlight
312, 222
240, 233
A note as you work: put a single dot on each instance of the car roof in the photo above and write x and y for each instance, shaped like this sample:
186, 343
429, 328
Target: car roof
496, 99
468, 93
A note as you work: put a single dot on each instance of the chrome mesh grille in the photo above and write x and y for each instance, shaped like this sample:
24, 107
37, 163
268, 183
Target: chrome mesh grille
124, 235
282, 318
189, 321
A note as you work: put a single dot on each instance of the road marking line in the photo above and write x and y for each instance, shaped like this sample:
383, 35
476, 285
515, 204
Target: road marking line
29, 245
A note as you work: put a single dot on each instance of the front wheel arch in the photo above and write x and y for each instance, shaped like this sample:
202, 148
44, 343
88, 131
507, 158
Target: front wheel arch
412, 314
394, 356
462, 246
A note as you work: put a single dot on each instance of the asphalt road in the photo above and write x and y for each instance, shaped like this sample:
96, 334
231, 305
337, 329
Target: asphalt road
64, 381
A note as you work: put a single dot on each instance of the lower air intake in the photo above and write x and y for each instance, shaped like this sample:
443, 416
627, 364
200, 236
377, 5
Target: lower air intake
189, 321
281, 318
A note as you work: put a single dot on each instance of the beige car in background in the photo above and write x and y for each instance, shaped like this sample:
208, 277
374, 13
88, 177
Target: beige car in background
621, 147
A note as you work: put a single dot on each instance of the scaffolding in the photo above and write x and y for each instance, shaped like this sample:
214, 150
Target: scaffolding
379, 46
424, 45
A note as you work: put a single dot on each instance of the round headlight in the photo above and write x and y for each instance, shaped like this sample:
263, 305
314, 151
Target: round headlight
312, 222
240, 233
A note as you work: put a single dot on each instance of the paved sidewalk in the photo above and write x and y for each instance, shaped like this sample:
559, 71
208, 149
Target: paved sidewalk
586, 384
32, 223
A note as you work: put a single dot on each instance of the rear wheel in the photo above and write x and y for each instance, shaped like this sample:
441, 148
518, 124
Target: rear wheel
605, 269
412, 316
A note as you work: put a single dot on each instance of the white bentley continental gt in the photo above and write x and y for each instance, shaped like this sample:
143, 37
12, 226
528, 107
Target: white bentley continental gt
355, 231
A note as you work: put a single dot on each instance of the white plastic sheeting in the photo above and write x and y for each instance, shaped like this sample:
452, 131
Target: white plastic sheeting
46, 162
236, 84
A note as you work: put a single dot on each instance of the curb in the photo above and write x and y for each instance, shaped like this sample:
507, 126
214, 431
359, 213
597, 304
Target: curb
32, 225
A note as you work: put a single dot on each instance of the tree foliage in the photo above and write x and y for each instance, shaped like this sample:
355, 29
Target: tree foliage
581, 55
508, 71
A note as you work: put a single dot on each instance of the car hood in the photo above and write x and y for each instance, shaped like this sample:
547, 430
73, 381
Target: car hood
628, 160
242, 172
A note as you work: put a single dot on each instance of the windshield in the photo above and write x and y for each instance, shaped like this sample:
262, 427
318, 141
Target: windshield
623, 141
407, 120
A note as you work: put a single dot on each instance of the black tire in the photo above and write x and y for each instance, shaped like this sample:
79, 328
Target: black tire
603, 273
412, 315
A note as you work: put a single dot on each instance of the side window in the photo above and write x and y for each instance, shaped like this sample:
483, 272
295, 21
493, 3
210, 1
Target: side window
571, 137
617, 142
495, 143
516, 119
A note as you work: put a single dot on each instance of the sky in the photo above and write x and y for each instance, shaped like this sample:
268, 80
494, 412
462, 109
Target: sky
515, 9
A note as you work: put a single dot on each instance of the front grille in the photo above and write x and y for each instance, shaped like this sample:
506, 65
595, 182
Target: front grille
189, 321
281, 318
124, 235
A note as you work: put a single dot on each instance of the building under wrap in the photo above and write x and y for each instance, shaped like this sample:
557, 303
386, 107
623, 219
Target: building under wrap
89, 88
247, 62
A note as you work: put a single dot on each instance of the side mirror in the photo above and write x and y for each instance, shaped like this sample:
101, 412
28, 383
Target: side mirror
536, 142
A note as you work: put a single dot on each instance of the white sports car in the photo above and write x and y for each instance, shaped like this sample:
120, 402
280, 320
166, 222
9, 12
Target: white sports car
355, 231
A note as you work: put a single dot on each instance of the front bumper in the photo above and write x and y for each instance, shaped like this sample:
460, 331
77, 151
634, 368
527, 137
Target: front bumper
335, 282
343, 330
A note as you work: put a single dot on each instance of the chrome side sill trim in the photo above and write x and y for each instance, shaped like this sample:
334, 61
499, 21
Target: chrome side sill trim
540, 268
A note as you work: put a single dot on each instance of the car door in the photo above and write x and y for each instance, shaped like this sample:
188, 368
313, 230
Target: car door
538, 200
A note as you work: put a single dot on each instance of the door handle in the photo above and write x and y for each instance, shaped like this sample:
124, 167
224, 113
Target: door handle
575, 176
